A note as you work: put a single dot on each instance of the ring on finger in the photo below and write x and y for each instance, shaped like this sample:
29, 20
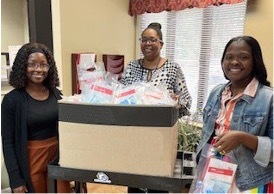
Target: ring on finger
223, 152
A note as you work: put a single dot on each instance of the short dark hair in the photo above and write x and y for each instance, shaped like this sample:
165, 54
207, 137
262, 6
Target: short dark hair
157, 27
259, 70
18, 76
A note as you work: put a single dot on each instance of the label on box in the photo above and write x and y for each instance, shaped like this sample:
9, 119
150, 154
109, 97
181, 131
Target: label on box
102, 178
219, 176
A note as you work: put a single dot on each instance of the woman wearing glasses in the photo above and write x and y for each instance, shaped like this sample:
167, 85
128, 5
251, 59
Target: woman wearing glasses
158, 70
29, 120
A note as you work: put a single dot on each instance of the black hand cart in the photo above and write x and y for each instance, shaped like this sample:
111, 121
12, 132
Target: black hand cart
182, 178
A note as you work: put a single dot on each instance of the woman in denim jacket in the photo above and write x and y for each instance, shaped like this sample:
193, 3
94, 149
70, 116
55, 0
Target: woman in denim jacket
240, 114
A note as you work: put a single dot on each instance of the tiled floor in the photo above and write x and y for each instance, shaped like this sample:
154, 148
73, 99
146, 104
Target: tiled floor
94, 188
101, 188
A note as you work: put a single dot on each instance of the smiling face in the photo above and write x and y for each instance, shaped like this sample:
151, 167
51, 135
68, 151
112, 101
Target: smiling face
151, 49
37, 68
238, 63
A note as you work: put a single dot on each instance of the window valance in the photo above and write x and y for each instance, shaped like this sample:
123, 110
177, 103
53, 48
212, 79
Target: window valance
137, 7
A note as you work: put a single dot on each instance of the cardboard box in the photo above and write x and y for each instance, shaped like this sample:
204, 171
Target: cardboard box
127, 139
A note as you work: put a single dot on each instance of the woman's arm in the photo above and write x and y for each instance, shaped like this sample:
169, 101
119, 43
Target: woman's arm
8, 120
181, 90
260, 145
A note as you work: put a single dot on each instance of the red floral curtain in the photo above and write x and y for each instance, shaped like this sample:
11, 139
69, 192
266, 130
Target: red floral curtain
137, 7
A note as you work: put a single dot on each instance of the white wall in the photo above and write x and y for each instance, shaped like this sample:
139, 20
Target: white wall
14, 23
259, 24
100, 26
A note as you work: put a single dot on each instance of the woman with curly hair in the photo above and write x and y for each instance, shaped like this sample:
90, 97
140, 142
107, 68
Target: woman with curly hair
29, 115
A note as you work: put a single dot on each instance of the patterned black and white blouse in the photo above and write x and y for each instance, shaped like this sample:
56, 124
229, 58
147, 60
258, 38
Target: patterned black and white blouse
170, 74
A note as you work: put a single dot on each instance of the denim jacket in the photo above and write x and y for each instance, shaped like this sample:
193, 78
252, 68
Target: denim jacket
252, 115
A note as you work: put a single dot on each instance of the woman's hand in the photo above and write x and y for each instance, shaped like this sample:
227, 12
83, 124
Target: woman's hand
176, 98
21, 189
228, 141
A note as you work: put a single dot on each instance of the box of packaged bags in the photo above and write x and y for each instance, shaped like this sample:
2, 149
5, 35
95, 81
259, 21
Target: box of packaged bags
137, 139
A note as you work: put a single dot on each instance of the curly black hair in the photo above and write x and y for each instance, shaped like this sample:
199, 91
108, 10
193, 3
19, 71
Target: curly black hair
18, 76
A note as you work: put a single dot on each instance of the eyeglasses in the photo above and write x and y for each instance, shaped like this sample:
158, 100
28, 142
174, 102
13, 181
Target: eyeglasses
149, 40
43, 66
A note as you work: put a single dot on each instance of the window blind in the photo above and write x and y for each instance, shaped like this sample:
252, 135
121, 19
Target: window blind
195, 38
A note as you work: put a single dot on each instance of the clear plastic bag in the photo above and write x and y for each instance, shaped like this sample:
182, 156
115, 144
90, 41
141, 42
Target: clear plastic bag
98, 93
215, 172
154, 95
125, 95
88, 73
